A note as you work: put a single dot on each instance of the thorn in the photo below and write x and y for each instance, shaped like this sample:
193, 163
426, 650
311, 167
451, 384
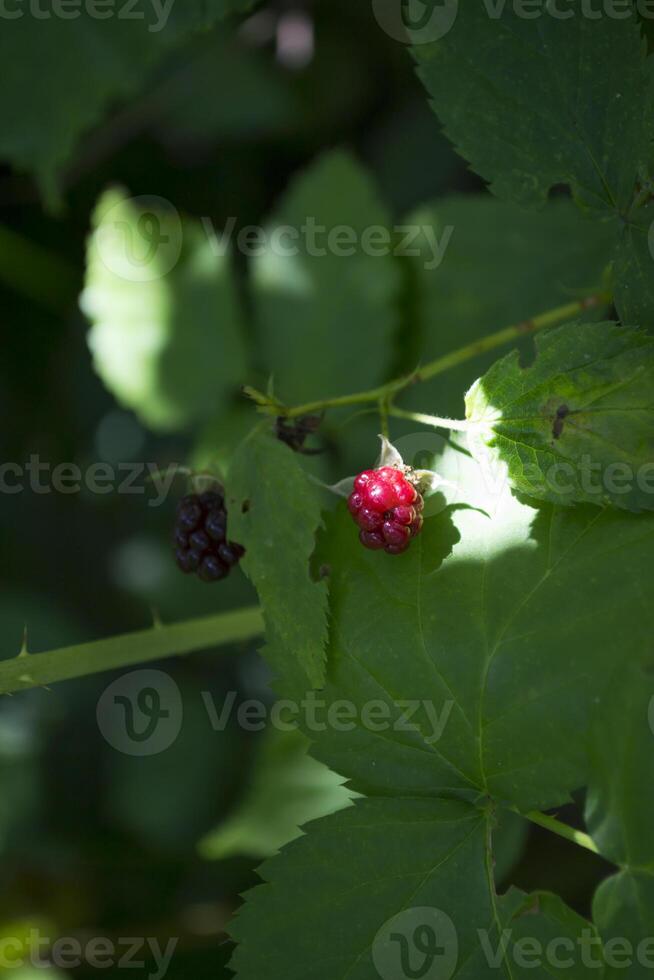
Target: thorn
24, 652
156, 618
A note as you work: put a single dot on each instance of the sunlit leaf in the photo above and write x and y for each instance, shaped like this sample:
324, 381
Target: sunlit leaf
578, 423
166, 327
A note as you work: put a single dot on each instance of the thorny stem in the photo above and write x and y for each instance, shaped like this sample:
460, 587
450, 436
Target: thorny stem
39, 669
384, 394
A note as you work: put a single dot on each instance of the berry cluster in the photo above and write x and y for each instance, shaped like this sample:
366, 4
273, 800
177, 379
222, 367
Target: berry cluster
387, 508
199, 536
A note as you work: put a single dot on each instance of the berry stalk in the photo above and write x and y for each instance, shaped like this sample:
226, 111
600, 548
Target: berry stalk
384, 394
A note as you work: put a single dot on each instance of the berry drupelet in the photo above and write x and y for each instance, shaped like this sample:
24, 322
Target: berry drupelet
387, 508
199, 537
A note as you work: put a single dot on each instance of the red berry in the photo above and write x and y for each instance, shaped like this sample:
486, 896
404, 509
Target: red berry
372, 540
397, 549
416, 527
395, 533
369, 520
406, 493
387, 507
362, 479
354, 502
380, 495
403, 514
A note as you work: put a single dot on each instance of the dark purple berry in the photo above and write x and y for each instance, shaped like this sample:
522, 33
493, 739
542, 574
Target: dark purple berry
200, 541
212, 569
180, 538
199, 537
188, 561
216, 525
228, 554
211, 499
189, 516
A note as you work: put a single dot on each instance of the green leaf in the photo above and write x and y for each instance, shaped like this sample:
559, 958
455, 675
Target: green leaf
288, 789
274, 513
167, 335
623, 910
633, 272
84, 64
483, 688
538, 100
329, 910
619, 816
545, 938
621, 793
399, 888
500, 265
577, 425
509, 843
262, 102
326, 320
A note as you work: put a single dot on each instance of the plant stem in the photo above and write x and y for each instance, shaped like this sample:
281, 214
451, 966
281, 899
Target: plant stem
562, 829
434, 420
514, 332
36, 670
387, 391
